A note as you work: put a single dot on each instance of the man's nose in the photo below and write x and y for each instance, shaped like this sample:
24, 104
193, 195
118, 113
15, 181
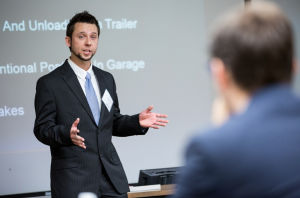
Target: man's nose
88, 41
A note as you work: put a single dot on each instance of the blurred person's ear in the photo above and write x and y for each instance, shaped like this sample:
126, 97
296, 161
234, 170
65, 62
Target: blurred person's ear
220, 110
295, 66
220, 75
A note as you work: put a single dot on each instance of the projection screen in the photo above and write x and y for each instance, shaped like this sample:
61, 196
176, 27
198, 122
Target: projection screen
156, 53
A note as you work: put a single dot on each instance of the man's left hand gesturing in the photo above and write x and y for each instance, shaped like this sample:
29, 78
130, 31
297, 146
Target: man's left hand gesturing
150, 119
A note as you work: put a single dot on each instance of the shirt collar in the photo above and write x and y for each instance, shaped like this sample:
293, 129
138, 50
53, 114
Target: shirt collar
81, 73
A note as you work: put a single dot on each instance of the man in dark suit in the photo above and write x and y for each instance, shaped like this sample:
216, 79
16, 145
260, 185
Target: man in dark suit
256, 152
77, 113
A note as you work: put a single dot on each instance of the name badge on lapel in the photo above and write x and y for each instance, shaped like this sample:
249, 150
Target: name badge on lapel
107, 100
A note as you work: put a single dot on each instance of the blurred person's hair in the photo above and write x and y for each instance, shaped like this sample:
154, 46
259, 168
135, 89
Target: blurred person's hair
256, 45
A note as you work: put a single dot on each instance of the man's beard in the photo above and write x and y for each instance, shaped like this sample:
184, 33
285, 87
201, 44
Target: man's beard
79, 56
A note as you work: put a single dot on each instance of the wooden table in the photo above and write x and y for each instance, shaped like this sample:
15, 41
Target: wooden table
165, 190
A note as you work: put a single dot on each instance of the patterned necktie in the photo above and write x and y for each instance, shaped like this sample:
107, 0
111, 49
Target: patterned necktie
92, 98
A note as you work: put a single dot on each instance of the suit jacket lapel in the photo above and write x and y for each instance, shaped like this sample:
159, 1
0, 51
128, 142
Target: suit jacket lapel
71, 79
102, 87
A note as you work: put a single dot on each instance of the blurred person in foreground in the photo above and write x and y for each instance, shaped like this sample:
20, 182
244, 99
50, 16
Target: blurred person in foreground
256, 151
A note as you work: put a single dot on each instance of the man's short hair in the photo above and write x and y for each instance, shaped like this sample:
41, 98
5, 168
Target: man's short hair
256, 45
83, 17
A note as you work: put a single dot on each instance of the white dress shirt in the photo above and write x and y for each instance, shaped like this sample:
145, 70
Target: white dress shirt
81, 74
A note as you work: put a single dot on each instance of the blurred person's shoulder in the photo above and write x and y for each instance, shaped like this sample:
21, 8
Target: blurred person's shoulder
225, 138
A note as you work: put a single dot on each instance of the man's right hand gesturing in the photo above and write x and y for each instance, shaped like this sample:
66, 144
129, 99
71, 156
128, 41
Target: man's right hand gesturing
76, 139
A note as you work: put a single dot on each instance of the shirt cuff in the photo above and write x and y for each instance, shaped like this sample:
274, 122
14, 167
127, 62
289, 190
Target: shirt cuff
144, 130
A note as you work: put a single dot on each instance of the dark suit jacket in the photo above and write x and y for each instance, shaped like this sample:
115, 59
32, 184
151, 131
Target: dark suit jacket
255, 154
59, 101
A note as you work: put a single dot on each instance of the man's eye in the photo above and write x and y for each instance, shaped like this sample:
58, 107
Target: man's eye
80, 36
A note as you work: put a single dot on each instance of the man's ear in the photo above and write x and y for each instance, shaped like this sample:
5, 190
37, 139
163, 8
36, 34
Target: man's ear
295, 66
220, 74
68, 41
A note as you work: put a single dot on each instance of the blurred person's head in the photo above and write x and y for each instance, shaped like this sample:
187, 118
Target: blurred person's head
251, 48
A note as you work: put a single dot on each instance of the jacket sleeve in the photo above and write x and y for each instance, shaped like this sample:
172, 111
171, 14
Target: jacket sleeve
124, 125
45, 128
